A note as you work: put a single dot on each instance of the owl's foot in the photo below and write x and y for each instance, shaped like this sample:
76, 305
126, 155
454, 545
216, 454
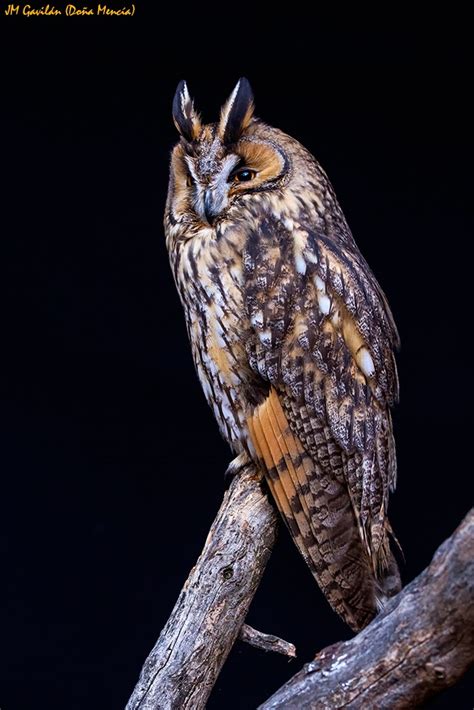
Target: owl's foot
236, 467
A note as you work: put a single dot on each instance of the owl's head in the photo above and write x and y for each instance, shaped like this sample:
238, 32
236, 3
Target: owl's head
215, 165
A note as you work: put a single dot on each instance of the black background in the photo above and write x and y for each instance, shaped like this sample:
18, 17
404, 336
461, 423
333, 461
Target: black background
112, 464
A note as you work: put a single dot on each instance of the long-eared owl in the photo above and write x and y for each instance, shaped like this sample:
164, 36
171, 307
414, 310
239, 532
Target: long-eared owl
292, 338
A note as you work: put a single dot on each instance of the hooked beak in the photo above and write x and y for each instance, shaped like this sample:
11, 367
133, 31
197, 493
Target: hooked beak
215, 200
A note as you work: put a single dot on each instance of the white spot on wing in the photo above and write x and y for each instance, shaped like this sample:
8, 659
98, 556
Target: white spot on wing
265, 338
365, 362
319, 283
257, 319
324, 303
300, 264
299, 245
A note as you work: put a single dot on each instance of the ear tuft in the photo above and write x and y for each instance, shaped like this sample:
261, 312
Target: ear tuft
237, 112
185, 118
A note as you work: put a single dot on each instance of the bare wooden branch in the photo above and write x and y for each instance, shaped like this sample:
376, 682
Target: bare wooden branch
266, 642
422, 643
206, 620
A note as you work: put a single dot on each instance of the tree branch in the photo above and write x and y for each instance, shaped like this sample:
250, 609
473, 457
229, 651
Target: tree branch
422, 643
186, 660
266, 642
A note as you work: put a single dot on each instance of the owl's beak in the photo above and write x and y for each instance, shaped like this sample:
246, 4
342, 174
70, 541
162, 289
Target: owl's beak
210, 207
215, 200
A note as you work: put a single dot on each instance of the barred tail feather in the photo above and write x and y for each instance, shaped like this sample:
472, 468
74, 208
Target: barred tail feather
319, 514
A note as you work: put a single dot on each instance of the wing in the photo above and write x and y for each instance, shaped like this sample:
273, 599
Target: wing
323, 337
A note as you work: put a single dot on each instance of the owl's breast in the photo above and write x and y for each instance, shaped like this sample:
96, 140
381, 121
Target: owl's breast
209, 275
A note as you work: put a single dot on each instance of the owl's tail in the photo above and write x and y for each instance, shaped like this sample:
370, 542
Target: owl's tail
319, 514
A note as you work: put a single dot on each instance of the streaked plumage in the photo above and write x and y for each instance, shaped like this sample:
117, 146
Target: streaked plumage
292, 338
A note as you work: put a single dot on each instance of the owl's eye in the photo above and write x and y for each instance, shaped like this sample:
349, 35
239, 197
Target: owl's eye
189, 181
243, 175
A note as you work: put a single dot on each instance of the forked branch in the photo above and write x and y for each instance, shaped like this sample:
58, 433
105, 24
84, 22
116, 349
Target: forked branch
422, 643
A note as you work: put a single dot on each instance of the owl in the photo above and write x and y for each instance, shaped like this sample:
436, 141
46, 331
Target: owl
292, 338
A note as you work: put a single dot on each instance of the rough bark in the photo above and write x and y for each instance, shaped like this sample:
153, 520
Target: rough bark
266, 642
184, 664
422, 643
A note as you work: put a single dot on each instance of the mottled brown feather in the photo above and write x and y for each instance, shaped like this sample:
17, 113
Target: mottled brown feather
325, 534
